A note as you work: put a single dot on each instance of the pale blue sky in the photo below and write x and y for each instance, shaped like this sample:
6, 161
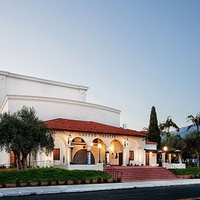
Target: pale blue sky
132, 54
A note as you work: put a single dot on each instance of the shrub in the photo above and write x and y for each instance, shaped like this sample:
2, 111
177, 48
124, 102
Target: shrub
114, 180
54, 174
3, 185
75, 181
99, 180
119, 179
49, 182
39, 182
105, 180
28, 183
18, 183
83, 181
91, 180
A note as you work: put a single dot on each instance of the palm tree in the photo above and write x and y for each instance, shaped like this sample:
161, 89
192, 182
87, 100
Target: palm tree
167, 125
195, 121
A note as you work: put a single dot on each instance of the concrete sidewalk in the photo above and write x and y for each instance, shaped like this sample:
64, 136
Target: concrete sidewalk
22, 191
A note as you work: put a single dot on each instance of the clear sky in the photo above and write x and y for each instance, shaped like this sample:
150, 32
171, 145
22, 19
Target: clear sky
132, 54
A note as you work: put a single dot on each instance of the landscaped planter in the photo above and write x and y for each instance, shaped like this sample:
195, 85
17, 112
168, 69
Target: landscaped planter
87, 181
61, 182
44, 183
10, 185
53, 183
23, 185
94, 181
34, 184
70, 182
110, 180
185, 176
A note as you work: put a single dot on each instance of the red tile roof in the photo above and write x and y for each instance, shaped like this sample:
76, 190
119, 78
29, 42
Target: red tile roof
149, 142
89, 126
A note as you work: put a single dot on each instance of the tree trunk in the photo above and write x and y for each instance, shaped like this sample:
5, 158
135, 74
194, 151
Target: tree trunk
18, 162
24, 162
197, 159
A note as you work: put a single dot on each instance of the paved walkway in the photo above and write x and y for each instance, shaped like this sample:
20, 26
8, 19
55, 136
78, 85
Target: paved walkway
22, 191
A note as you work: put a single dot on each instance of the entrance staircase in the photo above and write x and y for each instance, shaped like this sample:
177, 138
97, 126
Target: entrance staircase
137, 173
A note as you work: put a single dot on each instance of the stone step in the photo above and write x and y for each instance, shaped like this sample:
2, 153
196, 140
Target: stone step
141, 173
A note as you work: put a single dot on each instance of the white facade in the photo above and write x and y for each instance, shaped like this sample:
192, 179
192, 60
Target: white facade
53, 100
113, 150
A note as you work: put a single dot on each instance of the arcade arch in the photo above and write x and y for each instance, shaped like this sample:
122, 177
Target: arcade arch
116, 152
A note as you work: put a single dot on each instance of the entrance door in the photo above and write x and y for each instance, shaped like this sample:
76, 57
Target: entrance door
81, 157
120, 159
147, 158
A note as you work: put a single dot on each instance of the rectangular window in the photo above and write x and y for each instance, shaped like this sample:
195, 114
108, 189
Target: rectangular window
12, 159
131, 155
56, 154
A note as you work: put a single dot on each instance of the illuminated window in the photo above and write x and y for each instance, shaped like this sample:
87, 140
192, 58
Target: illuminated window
131, 155
56, 154
12, 159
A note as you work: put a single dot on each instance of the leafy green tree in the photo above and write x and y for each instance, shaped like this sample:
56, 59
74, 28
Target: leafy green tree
167, 125
22, 132
195, 121
175, 142
191, 147
153, 130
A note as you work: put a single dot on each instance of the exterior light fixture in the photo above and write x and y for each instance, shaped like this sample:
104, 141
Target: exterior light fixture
165, 148
99, 146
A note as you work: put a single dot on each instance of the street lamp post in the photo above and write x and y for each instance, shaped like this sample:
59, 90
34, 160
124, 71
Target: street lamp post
99, 146
165, 149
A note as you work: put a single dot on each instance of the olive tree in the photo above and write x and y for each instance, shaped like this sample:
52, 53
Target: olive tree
22, 132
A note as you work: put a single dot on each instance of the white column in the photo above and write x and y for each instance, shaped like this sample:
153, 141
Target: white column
124, 156
69, 150
89, 156
140, 156
163, 159
169, 158
179, 158
107, 158
125, 152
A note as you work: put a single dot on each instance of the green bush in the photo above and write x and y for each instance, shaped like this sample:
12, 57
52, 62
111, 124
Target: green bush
47, 174
40, 175
188, 171
99, 180
105, 180
83, 181
18, 183
39, 182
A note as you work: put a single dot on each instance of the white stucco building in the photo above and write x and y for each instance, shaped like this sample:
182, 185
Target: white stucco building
86, 134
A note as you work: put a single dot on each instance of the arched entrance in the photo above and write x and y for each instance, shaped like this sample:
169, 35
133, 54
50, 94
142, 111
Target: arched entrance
116, 153
80, 157
98, 150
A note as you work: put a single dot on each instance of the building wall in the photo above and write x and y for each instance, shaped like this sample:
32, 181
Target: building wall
4, 158
48, 108
114, 144
14, 84
52, 99
60, 100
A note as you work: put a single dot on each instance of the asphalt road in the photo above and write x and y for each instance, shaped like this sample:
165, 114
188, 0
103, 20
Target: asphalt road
161, 193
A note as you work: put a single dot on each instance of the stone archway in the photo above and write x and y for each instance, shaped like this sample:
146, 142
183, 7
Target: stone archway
98, 148
116, 152
80, 157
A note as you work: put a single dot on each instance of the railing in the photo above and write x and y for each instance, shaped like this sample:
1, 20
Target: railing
114, 173
34, 164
